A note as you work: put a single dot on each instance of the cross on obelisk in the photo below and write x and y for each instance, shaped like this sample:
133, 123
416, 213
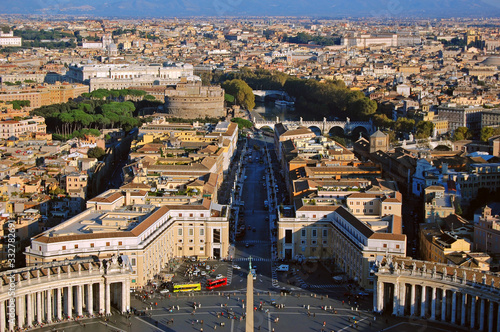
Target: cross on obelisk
249, 309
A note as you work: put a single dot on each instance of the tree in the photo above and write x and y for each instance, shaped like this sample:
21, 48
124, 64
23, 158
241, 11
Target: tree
96, 152
242, 92
424, 129
242, 123
381, 120
405, 125
488, 132
461, 133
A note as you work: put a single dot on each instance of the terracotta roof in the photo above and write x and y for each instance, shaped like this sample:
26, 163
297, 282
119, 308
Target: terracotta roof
318, 208
388, 236
110, 199
150, 220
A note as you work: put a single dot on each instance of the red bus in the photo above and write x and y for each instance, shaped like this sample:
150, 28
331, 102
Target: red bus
211, 284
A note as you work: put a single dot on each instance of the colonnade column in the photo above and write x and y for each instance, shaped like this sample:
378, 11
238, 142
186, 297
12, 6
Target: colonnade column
443, 305
481, 316
59, 303
39, 307
412, 300
498, 318
11, 321
473, 312
380, 296
69, 305
101, 298
433, 308
396, 300
423, 301
49, 305
21, 315
79, 298
453, 307
124, 296
463, 311
90, 299
128, 294
490, 318
2, 316
29, 309
402, 296
108, 299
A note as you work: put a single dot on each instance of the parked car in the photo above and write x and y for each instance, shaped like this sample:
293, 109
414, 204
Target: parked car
236, 267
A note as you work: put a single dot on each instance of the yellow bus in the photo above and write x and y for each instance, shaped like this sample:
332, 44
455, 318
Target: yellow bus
187, 287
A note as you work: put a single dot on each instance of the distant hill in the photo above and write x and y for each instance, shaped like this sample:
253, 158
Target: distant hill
324, 8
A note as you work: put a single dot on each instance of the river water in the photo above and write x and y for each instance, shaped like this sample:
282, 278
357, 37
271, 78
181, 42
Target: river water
269, 111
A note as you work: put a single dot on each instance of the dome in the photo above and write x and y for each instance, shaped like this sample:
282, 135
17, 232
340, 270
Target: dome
493, 60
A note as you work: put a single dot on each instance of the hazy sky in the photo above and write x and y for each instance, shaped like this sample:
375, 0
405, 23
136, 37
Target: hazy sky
324, 8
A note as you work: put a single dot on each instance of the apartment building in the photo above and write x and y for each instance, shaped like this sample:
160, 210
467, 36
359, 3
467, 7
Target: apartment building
461, 116
7, 39
12, 128
44, 94
123, 221
487, 233
121, 76
317, 232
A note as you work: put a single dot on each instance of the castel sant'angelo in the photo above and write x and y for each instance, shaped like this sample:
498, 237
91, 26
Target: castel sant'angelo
192, 100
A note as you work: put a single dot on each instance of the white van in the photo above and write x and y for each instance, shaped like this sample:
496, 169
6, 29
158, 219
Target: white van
282, 268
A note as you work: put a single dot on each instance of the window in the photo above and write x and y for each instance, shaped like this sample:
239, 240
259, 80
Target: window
303, 233
313, 242
133, 261
201, 249
120, 243
107, 244
190, 232
385, 245
91, 245
179, 231
202, 232
191, 215
63, 247
216, 237
325, 233
76, 246
371, 203
180, 214
190, 248
303, 242
397, 246
191, 240
288, 236
314, 233
180, 248
202, 215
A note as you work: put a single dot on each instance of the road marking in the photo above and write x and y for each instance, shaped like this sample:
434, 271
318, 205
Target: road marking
349, 326
269, 321
142, 320
232, 325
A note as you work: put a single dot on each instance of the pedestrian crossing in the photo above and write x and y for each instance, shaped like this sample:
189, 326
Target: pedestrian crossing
229, 274
326, 286
301, 282
257, 241
254, 259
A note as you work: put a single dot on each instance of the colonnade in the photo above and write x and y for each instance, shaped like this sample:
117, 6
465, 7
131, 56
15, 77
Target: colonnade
58, 291
413, 290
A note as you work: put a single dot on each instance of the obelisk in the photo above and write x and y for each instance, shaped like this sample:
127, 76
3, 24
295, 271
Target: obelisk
249, 311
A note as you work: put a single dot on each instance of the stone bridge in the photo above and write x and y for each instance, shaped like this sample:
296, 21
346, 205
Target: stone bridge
434, 291
260, 95
347, 127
